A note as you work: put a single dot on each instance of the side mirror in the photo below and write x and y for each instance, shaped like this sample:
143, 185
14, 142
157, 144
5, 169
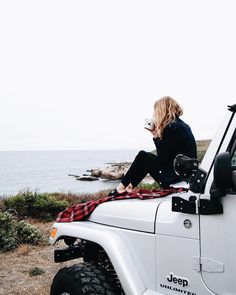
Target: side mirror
185, 166
223, 171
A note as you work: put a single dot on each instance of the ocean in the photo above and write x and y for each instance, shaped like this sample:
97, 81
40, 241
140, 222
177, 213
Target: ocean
47, 171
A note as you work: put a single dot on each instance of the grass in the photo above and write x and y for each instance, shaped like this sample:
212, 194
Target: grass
36, 271
29, 269
202, 146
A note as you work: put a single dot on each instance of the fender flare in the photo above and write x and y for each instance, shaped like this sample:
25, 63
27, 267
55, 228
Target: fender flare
114, 246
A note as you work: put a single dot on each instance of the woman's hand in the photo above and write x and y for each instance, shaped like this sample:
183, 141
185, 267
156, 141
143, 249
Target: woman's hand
153, 133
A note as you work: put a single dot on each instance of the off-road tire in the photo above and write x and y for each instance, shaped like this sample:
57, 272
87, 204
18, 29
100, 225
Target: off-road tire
84, 279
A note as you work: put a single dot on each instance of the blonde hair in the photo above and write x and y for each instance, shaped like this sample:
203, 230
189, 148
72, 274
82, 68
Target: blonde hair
166, 110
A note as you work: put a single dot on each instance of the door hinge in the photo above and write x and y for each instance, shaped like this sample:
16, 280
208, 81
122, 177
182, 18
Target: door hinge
207, 265
195, 206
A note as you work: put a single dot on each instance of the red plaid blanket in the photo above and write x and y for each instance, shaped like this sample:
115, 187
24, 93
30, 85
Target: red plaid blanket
82, 211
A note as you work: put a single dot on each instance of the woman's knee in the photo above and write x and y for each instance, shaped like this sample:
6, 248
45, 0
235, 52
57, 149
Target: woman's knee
141, 158
142, 154
147, 160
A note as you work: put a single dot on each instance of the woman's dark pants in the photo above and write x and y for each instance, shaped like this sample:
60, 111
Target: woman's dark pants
144, 163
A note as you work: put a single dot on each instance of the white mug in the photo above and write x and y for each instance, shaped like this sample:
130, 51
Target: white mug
149, 124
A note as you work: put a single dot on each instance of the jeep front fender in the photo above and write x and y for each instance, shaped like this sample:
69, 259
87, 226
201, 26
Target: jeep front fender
114, 246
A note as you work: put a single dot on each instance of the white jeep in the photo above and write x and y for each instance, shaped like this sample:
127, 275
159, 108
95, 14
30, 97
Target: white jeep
181, 244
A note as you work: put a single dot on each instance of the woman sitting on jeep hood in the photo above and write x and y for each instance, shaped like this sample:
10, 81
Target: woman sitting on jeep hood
171, 136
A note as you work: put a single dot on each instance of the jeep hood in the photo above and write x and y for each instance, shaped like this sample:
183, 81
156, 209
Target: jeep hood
132, 214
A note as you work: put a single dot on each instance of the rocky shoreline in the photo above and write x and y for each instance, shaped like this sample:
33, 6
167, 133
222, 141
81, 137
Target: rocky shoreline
114, 171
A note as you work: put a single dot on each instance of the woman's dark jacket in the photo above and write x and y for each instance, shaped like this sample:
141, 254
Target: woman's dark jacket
177, 138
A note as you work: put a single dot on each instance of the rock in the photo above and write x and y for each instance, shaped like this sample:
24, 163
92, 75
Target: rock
74, 175
84, 177
112, 172
87, 178
95, 172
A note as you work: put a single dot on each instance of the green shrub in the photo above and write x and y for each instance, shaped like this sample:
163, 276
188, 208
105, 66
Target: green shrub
46, 206
14, 233
200, 155
149, 186
27, 233
22, 203
2, 206
8, 233
36, 271
41, 206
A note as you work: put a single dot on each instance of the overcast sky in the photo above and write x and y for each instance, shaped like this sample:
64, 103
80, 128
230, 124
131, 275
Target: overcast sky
85, 74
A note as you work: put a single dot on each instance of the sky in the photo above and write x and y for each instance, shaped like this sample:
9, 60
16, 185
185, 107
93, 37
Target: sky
85, 74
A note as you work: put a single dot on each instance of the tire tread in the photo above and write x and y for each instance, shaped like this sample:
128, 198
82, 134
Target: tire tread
89, 279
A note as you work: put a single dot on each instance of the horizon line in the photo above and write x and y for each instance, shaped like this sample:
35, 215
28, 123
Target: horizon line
66, 150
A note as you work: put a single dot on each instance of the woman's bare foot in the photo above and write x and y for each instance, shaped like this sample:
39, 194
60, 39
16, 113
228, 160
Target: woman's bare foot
120, 188
130, 188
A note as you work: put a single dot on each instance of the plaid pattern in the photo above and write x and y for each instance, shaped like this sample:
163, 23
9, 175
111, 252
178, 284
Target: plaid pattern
82, 211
